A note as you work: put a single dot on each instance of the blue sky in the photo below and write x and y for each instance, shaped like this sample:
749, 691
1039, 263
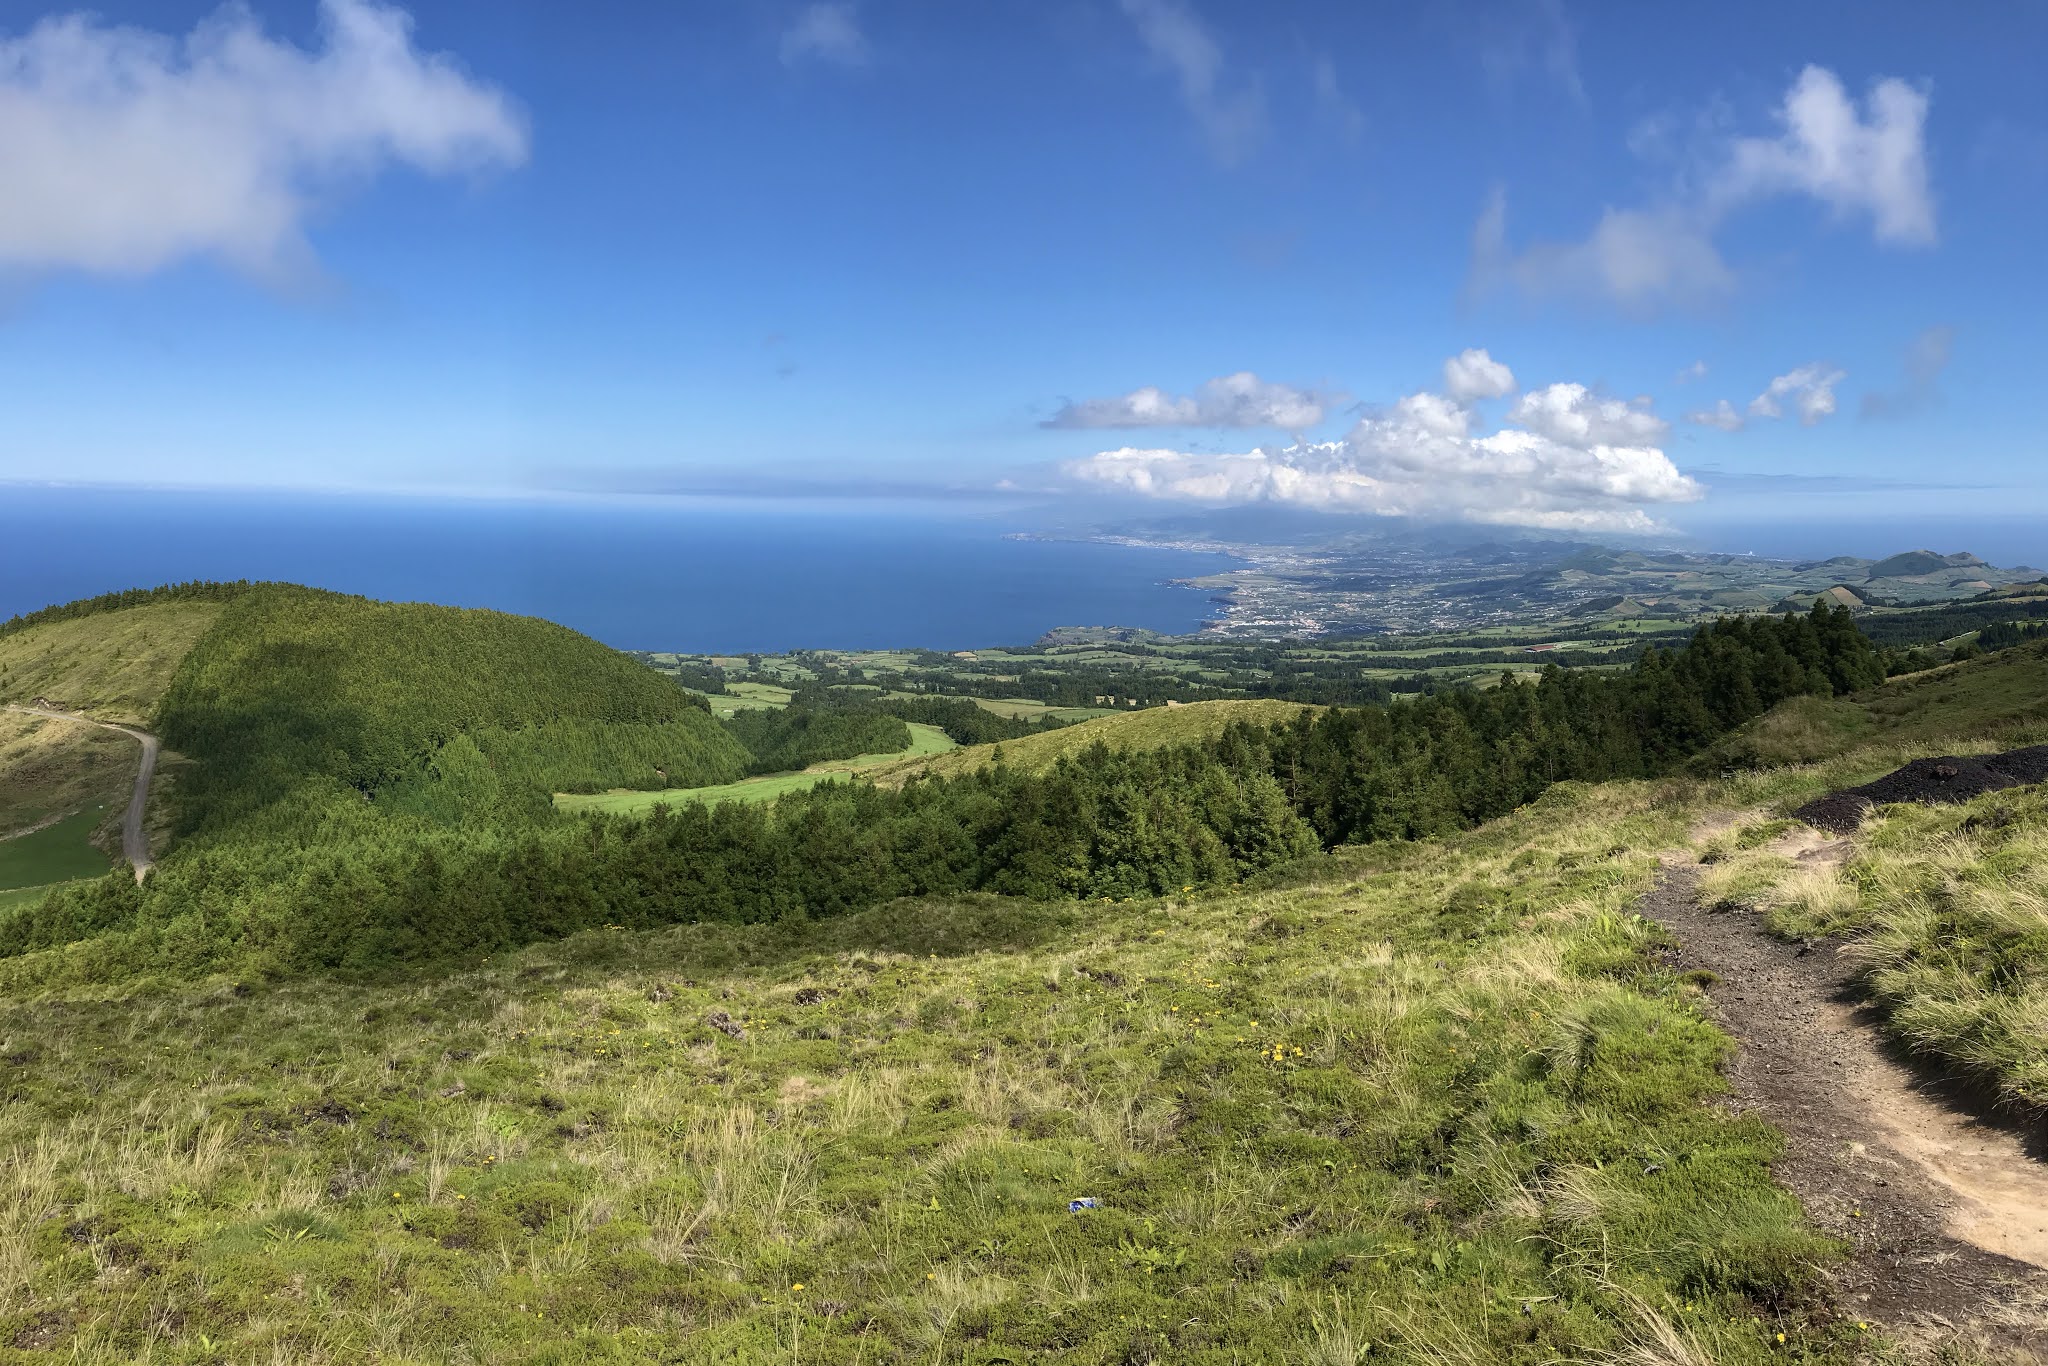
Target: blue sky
539, 249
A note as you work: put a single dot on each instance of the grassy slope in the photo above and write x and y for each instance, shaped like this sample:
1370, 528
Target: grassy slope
2002, 697
924, 740
1154, 728
1439, 1099
52, 767
113, 665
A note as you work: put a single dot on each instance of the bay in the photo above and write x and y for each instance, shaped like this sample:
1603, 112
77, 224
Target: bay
660, 574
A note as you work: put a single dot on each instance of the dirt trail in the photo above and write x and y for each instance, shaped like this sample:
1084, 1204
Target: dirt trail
134, 841
1947, 1209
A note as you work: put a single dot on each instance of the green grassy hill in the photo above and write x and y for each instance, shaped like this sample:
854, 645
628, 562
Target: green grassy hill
1998, 700
1153, 728
321, 741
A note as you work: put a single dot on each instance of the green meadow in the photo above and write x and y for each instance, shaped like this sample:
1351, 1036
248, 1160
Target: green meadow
55, 853
1436, 1102
925, 742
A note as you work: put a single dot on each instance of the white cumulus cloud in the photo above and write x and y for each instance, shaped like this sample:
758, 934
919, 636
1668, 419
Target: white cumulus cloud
123, 151
1663, 254
1811, 389
1473, 374
1875, 165
825, 32
1574, 415
1579, 464
1239, 400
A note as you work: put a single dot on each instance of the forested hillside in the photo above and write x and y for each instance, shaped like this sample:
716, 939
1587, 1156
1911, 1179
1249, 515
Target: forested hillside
295, 687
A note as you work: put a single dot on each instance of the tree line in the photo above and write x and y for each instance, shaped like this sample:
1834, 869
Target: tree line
200, 590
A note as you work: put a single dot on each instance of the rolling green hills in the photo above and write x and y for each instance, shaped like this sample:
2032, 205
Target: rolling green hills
66, 781
1101, 1056
323, 737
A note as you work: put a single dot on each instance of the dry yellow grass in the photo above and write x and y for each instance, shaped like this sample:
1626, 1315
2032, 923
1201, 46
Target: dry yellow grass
51, 768
113, 665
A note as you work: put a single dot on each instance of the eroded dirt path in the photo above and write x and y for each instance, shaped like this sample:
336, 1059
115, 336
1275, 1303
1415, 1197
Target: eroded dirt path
1947, 1209
134, 840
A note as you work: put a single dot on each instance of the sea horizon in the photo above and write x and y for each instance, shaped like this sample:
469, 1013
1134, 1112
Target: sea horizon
694, 576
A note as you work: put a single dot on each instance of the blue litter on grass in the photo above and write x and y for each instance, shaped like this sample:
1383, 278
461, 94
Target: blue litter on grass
1076, 1206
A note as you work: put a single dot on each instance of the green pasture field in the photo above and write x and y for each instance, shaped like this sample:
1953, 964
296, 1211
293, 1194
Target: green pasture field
55, 853
925, 741
1030, 709
748, 697
18, 898
1150, 728
726, 703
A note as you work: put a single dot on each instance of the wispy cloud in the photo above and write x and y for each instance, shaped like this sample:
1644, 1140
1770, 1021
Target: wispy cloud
1641, 260
1721, 416
1232, 123
1524, 35
1335, 108
1574, 460
1735, 481
825, 32
1239, 400
124, 151
1926, 358
1863, 163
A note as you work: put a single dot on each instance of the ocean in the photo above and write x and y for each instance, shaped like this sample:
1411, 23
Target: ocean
696, 576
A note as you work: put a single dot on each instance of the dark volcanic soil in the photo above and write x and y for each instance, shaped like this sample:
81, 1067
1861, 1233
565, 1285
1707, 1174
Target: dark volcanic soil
1947, 1211
1930, 782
